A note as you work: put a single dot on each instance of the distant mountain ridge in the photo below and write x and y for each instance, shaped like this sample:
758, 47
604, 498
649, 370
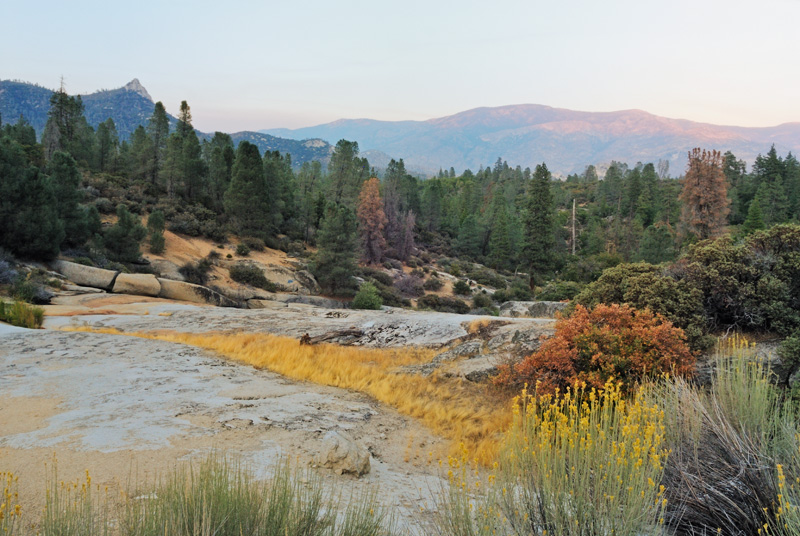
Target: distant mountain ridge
131, 106
567, 140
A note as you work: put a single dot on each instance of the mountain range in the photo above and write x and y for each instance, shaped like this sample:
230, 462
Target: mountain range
567, 140
129, 107
524, 134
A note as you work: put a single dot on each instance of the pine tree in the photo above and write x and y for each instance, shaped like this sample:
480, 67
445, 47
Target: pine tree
246, 201
539, 245
372, 221
704, 195
158, 131
122, 239
155, 227
107, 145
755, 219
335, 262
66, 182
29, 223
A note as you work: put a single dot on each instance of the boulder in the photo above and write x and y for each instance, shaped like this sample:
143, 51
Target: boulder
266, 304
86, 276
167, 270
180, 290
341, 453
137, 284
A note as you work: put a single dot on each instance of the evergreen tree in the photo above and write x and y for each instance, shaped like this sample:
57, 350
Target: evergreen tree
246, 201
29, 221
158, 131
335, 262
66, 128
139, 159
66, 182
657, 245
346, 173
107, 146
219, 156
372, 221
155, 228
755, 219
704, 195
500, 249
122, 239
468, 242
539, 245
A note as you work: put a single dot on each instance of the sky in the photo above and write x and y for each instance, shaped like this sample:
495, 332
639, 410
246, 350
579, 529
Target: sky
249, 64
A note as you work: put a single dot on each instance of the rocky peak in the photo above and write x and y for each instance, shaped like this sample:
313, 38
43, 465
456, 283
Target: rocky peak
137, 87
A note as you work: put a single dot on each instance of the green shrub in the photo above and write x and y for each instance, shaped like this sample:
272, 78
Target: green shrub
367, 297
443, 304
380, 276
250, 274
433, 284
482, 300
461, 287
390, 295
243, 250
255, 244
157, 242
487, 277
196, 273
21, 314
645, 286
559, 291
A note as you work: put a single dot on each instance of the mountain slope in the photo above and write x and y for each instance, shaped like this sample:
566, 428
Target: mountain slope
129, 107
567, 140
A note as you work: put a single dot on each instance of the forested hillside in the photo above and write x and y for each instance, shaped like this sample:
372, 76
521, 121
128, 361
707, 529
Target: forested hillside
528, 233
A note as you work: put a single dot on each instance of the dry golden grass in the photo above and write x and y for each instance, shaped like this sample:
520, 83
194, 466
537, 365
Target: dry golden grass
457, 410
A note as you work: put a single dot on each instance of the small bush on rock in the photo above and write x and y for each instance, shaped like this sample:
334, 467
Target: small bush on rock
367, 297
242, 250
461, 287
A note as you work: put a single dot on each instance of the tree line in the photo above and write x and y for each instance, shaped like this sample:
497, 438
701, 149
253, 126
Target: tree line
516, 220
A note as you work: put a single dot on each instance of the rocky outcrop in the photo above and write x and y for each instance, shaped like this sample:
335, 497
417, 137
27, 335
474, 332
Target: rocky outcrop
167, 270
182, 291
137, 284
532, 309
86, 276
341, 453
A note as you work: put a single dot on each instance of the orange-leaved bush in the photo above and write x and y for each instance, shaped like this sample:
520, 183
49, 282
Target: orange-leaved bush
599, 344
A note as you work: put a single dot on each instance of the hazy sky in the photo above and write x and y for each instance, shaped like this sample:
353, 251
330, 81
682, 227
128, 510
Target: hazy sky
246, 65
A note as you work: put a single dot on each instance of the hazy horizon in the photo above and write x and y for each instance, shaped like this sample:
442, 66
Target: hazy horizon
251, 67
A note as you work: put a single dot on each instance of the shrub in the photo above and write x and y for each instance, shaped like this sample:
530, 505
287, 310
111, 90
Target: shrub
255, 244
482, 300
433, 284
390, 295
644, 286
754, 284
21, 314
594, 346
487, 277
410, 285
122, 239
519, 291
196, 273
443, 304
381, 277
242, 250
559, 291
367, 297
250, 274
461, 287
185, 224
157, 243
30, 291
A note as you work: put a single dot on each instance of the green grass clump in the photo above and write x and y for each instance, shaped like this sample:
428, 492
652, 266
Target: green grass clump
214, 497
21, 314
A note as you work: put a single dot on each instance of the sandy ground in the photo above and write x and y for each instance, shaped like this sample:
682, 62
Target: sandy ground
128, 409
